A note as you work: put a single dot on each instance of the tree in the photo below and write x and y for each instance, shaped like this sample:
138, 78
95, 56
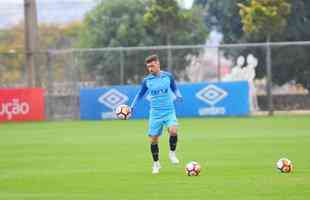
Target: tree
128, 24
11, 57
223, 16
59, 36
114, 24
165, 16
291, 63
264, 17
12, 62
167, 20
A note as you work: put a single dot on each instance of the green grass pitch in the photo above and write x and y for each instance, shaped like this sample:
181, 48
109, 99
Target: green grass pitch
110, 160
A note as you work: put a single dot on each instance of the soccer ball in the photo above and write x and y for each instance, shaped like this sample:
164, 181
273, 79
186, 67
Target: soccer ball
192, 168
285, 165
123, 112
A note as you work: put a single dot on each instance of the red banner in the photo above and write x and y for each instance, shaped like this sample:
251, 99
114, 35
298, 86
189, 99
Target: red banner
22, 104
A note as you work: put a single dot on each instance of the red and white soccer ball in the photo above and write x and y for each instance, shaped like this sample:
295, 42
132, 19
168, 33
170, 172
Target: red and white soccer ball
285, 165
192, 168
123, 112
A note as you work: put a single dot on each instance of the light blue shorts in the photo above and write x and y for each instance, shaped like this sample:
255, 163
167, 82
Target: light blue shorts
159, 120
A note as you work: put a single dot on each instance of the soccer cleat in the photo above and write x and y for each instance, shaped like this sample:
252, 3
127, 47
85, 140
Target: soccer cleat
156, 167
173, 158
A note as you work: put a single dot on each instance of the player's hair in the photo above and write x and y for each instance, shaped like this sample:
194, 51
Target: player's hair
151, 58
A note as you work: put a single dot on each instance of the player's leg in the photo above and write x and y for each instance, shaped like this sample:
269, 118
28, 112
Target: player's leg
154, 147
155, 130
155, 153
172, 123
173, 137
173, 140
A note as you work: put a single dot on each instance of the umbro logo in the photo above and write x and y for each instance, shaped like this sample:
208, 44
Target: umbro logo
211, 94
113, 98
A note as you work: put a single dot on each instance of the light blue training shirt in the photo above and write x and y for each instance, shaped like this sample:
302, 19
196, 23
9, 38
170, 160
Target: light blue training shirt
161, 88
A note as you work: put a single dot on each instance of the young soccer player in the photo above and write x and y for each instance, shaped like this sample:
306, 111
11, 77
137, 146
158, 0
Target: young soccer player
161, 86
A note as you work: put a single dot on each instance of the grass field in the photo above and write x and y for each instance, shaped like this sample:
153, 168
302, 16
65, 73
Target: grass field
110, 160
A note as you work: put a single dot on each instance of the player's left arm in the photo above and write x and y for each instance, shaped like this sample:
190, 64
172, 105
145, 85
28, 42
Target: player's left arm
174, 88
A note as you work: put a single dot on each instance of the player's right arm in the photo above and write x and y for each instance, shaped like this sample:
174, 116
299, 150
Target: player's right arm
140, 94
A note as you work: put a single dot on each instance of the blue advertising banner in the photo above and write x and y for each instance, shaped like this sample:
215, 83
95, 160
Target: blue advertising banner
199, 99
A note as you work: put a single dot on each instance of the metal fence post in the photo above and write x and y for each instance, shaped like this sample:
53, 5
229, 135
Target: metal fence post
122, 67
269, 79
49, 96
76, 86
169, 59
218, 53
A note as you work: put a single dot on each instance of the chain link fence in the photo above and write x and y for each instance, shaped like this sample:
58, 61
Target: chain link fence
278, 73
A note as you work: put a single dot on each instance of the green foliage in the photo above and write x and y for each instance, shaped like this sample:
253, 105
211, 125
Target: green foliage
288, 22
114, 24
264, 17
298, 29
224, 15
164, 14
174, 26
12, 58
136, 23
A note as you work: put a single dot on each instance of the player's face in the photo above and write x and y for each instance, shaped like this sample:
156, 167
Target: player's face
154, 67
